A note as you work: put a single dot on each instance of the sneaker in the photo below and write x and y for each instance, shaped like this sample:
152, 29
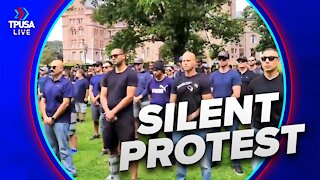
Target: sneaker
113, 177
238, 170
94, 137
73, 151
103, 152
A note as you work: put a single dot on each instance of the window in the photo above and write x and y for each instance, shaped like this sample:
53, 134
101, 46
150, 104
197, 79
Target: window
109, 34
253, 39
97, 56
81, 56
73, 43
80, 30
232, 50
253, 52
73, 31
81, 43
73, 56
241, 52
148, 52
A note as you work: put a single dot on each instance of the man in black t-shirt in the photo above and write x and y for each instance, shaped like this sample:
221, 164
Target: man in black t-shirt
191, 87
271, 81
117, 92
246, 76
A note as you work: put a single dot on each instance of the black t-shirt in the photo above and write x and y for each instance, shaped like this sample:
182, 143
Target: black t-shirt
117, 84
262, 85
246, 78
191, 89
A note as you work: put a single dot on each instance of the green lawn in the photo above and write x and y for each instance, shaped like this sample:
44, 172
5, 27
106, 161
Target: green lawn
91, 165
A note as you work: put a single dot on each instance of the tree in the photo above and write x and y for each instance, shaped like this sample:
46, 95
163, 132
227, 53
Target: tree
259, 27
51, 51
48, 56
56, 47
174, 22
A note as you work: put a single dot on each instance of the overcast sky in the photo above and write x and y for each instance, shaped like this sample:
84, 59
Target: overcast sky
56, 33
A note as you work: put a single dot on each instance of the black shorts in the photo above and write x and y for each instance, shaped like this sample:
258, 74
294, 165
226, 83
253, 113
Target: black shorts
118, 131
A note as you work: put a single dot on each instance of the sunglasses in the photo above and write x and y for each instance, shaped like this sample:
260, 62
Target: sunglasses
271, 58
222, 58
115, 55
97, 65
52, 67
106, 67
241, 61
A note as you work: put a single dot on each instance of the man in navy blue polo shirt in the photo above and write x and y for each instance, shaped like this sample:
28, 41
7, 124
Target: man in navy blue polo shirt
95, 96
42, 79
140, 98
80, 94
226, 82
57, 94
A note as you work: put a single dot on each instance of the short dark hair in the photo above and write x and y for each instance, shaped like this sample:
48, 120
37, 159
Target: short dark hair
109, 62
82, 72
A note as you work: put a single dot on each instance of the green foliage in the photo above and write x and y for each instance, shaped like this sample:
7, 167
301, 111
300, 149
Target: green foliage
51, 51
91, 165
47, 56
174, 22
259, 27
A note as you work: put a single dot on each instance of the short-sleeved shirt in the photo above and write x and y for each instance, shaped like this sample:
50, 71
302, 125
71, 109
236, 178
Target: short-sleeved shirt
80, 88
246, 78
262, 85
117, 84
222, 83
95, 80
41, 82
143, 79
54, 92
191, 89
160, 91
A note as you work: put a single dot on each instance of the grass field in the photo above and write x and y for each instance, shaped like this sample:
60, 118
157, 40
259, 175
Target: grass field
92, 166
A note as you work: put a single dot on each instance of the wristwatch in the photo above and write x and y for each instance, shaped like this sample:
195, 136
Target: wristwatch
53, 118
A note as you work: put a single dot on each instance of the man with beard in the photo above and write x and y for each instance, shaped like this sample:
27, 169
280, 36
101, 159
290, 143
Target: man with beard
117, 92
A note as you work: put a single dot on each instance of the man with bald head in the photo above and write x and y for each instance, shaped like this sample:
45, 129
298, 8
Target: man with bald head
191, 87
117, 92
54, 106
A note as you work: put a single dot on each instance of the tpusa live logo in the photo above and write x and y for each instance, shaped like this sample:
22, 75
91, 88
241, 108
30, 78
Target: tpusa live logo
21, 26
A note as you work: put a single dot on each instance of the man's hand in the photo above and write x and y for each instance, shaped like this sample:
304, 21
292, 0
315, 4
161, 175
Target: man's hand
48, 120
193, 115
136, 99
110, 116
96, 100
190, 117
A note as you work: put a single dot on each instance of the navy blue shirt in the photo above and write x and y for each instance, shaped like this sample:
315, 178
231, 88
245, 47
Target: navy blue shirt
54, 92
117, 84
143, 79
222, 83
80, 88
95, 81
42, 81
160, 91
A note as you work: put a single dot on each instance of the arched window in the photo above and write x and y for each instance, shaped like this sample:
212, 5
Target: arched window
253, 39
80, 30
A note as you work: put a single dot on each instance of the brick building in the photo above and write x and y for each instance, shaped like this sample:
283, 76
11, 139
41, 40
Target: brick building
84, 41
